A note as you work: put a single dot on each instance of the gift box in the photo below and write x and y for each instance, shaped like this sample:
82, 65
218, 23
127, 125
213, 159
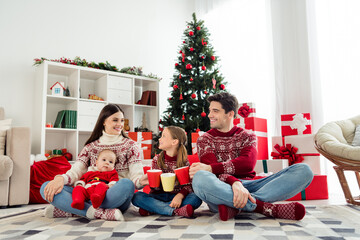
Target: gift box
194, 137
295, 124
318, 189
259, 127
247, 110
301, 148
267, 166
144, 139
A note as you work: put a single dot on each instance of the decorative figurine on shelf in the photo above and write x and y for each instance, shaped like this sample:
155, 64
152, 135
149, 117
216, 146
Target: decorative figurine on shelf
94, 97
57, 89
126, 125
143, 127
67, 92
57, 153
49, 125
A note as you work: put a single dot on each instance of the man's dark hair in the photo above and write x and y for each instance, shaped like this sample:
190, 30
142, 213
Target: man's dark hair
227, 101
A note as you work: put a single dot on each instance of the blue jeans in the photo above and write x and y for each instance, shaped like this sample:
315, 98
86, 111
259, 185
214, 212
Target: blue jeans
118, 196
277, 187
159, 203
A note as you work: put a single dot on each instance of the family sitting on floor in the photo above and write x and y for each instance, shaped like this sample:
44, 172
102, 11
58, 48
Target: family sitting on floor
109, 169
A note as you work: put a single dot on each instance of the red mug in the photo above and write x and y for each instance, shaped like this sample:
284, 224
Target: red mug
182, 175
154, 177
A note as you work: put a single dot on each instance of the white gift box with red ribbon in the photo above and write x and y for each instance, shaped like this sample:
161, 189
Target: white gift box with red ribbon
144, 140
305, 148
247, 110
194, 137
295, 124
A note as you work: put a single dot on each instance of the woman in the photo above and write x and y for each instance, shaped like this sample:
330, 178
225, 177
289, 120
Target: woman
109, 134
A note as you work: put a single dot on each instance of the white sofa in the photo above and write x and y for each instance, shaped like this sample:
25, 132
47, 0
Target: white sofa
15, 166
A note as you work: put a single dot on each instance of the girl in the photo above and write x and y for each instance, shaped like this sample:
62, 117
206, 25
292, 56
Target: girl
109, 134
182, 201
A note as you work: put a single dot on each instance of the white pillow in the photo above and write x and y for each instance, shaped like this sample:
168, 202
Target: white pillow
356, 140
4, 125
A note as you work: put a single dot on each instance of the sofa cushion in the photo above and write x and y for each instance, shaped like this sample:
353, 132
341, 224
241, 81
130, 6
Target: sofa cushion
6, 167
4, 126
356, 140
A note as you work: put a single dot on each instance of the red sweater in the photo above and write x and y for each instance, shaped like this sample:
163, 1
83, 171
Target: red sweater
170, 164
231, 155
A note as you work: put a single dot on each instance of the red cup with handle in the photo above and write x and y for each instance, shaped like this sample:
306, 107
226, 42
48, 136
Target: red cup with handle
182, 175
146, 168
154, 177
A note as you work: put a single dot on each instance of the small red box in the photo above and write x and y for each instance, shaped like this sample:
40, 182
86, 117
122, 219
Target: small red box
318, 189
295, 124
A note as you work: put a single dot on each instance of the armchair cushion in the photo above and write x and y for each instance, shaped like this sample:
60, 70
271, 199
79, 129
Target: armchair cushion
356, 140
4, 126
6, 167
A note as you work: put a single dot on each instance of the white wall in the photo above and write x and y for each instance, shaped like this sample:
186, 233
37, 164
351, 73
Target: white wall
125, 33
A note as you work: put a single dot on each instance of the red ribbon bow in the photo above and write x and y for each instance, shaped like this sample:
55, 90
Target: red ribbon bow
245, 110
287, 152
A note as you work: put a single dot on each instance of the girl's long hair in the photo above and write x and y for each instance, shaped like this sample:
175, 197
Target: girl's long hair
106, 112
179, 134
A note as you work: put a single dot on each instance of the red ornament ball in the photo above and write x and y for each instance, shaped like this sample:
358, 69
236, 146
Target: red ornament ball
191, 49
191, 79
206, 92
170, 98
222, 86
188, 66
176, 86
198, 28
193, 96
180, 51
183, 41
203, 68
203, 57
212, 58
176, 64
203, 114
198, 130
160, 129
191, 33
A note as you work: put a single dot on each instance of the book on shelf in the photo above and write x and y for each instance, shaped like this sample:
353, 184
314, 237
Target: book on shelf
148, 98
66, 119
152, 100
59, 119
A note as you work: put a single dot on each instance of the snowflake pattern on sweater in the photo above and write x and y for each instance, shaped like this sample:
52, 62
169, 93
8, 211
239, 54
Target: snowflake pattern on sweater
170, 164
232, 155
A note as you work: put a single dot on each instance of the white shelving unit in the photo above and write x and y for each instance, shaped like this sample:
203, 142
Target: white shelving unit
113, 87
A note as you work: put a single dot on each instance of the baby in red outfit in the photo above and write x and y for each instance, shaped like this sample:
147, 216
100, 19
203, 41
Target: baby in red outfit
94, 184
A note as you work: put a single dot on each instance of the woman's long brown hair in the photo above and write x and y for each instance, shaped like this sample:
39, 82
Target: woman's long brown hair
106, 112
179, 134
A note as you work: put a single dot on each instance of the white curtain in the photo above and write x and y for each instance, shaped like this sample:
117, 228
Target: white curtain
241, 36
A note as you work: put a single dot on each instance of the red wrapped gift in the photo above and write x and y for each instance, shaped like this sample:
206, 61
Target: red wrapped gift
295, 124
259, 127
144, 139
194, 137
318, 189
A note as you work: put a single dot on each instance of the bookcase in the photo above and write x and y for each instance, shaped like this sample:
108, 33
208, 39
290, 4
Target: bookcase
112, 87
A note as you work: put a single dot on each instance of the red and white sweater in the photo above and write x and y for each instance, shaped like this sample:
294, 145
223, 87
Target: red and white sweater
231, 155
170, 165
128, 162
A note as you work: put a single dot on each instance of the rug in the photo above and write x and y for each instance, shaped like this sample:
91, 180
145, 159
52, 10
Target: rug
320, 222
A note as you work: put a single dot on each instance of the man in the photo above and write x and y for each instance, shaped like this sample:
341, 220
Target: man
223, 176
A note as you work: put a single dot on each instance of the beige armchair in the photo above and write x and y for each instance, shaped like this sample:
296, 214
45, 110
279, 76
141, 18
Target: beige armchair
15, 166
333, 141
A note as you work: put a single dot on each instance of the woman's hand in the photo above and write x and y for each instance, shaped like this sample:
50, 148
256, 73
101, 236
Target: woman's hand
177, 200
54, 187
241, 195
144, 180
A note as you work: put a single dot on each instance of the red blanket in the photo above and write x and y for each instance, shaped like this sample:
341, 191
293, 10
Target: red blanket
45, 171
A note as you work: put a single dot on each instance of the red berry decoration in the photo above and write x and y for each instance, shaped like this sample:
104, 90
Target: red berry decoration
191, 33
222, 86
203, 114
197, 130
170, 98
198, 28
180, 51
191, 49
202, 57
193, 96
191, 79
160, 129
203, 68
212, 58
188, 66
176, 64
176, 86
183, 41
206, 92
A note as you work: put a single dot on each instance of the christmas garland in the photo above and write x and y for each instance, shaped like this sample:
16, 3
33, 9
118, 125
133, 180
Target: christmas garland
104, 66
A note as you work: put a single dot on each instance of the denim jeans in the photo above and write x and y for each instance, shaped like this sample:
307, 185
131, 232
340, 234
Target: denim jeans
277, 187
118, 196
159, 203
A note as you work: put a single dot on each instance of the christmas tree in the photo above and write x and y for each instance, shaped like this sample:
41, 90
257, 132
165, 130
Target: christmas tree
196, 77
